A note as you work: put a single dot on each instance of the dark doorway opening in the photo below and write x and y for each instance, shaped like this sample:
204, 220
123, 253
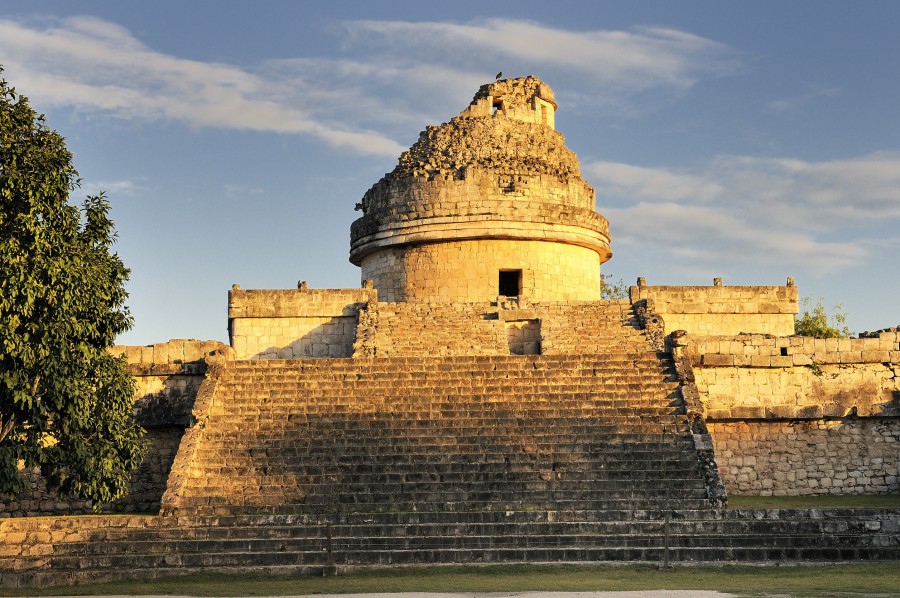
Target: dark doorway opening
510, 283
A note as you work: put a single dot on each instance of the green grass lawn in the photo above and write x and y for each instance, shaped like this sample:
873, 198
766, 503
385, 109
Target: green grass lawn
809, 580
852, 501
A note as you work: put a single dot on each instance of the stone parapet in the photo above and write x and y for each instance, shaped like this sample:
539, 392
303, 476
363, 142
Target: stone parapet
296, 303
184, 352
293, 323
723, 310
762, 377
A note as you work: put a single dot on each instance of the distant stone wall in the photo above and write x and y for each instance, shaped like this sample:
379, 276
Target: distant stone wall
290, 324
797, 415
167, 376
468, 271
723, 310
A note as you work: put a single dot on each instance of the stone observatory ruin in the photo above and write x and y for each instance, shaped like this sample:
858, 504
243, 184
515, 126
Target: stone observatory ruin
476, 401
491, 203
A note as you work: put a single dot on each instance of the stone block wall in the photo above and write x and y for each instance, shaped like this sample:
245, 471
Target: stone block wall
807, 457
290, 324
723, 310
167, 377
797, 415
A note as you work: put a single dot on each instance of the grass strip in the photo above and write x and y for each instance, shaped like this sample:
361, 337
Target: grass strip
881, 578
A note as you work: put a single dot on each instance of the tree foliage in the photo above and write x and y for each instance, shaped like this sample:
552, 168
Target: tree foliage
612, 290
65, 402
814, 320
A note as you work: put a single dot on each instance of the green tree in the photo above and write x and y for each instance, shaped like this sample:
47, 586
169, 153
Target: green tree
814, 320
65, 402
612, 290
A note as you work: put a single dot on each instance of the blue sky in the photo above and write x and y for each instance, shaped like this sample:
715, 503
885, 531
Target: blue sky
748, 140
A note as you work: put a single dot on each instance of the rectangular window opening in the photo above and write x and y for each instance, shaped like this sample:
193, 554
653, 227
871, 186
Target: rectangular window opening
510, 283
784, 352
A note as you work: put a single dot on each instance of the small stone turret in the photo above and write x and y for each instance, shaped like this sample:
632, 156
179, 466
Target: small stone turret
527, 100
491, 203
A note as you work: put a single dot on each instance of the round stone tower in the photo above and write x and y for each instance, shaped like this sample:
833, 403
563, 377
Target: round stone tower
491, 203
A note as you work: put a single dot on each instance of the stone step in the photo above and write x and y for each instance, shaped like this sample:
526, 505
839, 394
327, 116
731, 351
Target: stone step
620, 354
236, 504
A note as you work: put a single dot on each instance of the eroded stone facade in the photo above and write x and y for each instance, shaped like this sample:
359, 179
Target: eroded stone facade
808, 456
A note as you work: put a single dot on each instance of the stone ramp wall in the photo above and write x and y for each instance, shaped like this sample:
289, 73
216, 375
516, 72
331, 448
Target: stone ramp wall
574, 328
510, 327
798, 415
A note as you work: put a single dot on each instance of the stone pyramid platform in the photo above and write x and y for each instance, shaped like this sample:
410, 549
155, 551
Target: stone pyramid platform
581, 454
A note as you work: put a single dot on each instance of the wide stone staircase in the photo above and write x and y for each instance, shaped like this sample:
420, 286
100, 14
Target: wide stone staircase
443, 434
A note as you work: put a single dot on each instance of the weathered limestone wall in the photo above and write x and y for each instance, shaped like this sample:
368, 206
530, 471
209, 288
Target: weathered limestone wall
167, 376
302, 323
469, 270
797, 415
723, 310
755, 376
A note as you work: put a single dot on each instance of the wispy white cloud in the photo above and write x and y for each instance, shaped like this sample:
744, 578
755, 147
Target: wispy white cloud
360, 102
611, 69
799, 101
112, 188
95, 65
236, 191
815, 215
632, 60
652, 184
